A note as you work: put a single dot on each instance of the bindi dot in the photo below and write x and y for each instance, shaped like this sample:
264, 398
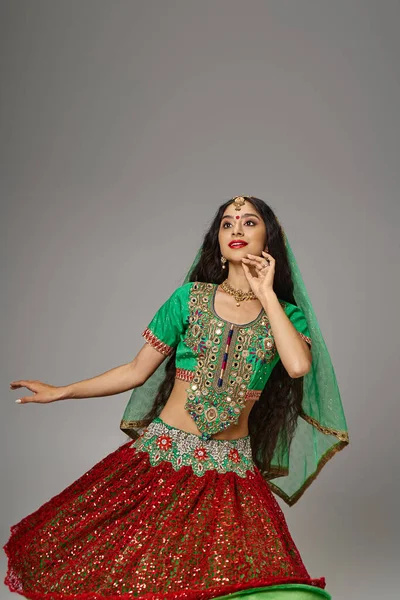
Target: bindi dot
237, 217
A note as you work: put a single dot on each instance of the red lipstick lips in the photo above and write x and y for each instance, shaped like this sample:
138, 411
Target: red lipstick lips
237, 244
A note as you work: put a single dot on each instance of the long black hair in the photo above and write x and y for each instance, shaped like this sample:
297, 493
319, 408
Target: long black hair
272, 420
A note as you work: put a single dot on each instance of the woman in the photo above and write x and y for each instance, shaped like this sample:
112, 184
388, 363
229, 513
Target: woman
248, 395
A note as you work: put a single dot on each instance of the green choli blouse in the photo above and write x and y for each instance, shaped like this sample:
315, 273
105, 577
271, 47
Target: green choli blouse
225, 364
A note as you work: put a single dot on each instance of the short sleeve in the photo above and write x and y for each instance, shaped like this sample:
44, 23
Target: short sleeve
298, 320
169, 322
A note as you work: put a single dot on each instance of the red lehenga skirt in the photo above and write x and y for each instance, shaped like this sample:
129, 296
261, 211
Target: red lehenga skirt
165, 517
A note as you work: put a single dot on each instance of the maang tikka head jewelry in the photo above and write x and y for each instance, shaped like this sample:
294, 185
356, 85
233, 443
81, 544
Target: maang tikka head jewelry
238, 202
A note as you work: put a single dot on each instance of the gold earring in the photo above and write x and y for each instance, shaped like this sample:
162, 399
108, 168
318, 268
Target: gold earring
223, 260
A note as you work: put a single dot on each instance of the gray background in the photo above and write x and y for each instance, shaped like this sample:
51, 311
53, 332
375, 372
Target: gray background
124, 125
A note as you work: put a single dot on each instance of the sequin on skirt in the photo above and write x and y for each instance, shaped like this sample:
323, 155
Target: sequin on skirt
168, 516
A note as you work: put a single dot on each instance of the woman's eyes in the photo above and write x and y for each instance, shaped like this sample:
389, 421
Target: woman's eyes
249, 222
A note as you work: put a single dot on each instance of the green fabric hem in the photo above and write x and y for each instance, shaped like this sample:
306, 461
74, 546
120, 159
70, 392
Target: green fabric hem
291, 591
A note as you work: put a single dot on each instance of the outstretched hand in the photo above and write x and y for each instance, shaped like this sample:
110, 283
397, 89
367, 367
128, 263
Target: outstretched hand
43, 392
262, 279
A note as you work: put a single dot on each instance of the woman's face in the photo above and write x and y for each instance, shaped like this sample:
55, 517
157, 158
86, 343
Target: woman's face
241, 232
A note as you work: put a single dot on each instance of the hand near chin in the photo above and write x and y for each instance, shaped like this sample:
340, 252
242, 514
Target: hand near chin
260, 271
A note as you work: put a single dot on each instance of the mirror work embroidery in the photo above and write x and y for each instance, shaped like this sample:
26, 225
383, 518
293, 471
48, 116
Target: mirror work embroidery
227, 357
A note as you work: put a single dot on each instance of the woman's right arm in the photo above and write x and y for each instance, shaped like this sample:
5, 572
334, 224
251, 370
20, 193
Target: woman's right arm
117, 380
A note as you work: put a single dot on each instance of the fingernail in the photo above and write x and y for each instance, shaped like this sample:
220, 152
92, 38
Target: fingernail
18, 400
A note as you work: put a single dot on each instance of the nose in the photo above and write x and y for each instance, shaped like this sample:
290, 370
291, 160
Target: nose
237, 228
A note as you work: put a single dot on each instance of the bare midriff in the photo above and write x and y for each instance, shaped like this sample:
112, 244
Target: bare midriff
175, 414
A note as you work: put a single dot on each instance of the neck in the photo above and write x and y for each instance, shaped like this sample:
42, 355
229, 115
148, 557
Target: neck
237, 279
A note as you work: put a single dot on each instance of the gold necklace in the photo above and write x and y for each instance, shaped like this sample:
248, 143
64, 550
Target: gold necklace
239, 295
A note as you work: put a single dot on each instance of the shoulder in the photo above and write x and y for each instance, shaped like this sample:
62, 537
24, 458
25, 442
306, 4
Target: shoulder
293, 312
184, 289
297, 318
182, 293
190, 288
283, 303
197, 287
289, 307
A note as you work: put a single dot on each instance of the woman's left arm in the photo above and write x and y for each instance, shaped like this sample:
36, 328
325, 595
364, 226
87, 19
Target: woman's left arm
292, 348
294, 352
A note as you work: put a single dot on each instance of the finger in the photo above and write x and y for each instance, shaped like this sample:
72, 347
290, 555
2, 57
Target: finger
247, 273
258, 266
19, 383
252, 262
260, 263
256, 258
268, 255
249, 266
30, 385
25, 399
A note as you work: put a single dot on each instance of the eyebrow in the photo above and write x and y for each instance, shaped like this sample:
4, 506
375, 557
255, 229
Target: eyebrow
243, 216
